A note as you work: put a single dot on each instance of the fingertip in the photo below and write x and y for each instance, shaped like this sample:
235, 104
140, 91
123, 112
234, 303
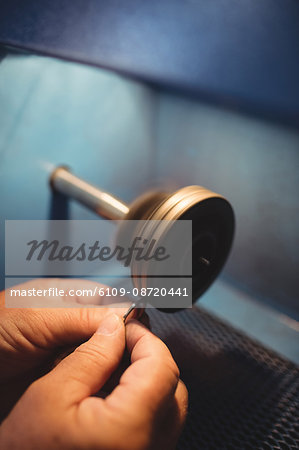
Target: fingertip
134, 321
110, 325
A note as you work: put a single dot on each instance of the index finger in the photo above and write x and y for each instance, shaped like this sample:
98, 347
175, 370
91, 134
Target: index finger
152, 378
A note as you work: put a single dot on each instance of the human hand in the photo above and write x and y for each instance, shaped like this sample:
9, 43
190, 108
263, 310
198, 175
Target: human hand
31, 338
146, 410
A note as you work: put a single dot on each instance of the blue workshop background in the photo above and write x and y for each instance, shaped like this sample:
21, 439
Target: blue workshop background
125, 137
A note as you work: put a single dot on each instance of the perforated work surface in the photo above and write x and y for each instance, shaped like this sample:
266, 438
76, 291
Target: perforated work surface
241, 395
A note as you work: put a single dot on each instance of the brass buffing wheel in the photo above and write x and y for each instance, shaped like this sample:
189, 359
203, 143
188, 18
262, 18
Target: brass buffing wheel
212, 231
211, 215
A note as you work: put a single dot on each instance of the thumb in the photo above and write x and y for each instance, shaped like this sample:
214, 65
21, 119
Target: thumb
85, 371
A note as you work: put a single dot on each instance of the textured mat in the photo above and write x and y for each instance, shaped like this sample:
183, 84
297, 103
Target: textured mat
241, 395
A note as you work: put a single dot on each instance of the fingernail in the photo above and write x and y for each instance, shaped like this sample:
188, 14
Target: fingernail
109, 325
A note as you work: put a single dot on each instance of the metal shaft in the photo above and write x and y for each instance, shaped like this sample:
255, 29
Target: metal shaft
102, 203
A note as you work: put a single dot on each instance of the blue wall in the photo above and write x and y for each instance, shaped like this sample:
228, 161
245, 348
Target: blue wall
125, 137
255, 164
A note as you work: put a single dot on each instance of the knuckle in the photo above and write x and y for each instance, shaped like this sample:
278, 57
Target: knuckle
184, 391
174, 368
85, 317
171, 366
94, 352
167, 359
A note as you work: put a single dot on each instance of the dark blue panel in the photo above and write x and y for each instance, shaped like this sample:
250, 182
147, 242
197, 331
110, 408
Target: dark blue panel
243, 51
